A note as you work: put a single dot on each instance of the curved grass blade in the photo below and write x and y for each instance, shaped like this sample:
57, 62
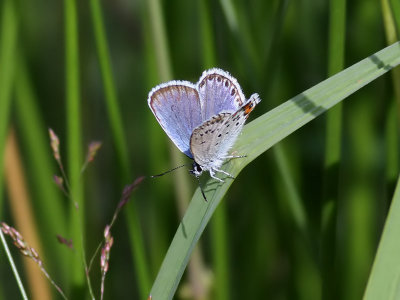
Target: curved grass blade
384, 281
257, 137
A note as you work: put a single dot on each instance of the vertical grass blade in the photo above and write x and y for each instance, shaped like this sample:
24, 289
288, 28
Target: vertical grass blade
392, 35
117, 129
74, 149
257, 137
46, 196
111, 97
333, 143
8, 44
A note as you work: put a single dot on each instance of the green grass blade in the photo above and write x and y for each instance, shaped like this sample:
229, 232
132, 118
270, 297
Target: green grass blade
136, 239
389, 14
74, 149
111, 98
384, 280
257, 137
395, 5
333, 145
8, 45
293, 198
8, 42
40, 160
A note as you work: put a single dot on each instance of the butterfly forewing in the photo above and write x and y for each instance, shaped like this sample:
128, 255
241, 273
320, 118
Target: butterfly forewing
176, 105
219, 92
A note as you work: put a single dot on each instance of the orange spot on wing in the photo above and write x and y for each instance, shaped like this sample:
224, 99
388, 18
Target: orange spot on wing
248, 108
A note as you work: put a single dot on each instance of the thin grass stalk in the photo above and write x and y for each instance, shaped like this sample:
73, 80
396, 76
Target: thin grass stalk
136, 239
8, 45
256, 138
74, 147
333, 142
13, 267
219, 221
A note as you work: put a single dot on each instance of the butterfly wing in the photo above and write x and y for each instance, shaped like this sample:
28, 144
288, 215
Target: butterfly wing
211, 141
219, 92
176, 105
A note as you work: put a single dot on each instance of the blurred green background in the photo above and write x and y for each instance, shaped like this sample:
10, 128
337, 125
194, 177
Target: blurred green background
302, 222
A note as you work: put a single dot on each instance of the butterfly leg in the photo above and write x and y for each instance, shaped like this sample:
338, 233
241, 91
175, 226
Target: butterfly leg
226, 173
212, 174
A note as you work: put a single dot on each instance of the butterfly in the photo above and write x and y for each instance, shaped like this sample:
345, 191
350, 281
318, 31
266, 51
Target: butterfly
203, 119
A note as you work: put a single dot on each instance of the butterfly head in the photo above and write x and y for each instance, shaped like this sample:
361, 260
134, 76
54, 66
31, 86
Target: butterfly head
196, 169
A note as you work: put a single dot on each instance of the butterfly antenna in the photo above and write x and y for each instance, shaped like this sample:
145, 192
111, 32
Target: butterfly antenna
158, 175
201, 189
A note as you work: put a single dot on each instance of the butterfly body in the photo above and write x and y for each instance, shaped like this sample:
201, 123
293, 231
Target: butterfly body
203, 120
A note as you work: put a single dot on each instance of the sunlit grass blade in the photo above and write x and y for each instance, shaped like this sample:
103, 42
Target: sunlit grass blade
257, 137
384, 280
